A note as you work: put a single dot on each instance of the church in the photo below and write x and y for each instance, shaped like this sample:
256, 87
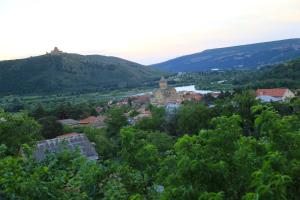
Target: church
55, 51
165, 94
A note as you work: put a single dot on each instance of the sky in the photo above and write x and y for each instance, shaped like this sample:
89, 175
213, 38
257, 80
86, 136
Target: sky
144, 31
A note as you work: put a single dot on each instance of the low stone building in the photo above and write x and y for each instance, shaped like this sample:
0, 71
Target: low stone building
70, 141
192, 96
97, 122
274, 94
140, 100
69, 122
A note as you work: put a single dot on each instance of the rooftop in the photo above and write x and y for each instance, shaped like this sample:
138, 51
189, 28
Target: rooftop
68, 135
275, 92
89, 120
70, 141
68, 121
56, 51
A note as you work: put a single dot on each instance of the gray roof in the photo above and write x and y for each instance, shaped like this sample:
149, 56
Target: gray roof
162, 79
72, 142
68, 122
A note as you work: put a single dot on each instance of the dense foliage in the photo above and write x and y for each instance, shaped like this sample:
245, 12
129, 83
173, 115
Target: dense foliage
279, 75
283, 75
237, 149
48, 74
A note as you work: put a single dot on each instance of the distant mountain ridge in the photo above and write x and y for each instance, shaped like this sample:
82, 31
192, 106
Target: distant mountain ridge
243, 56
64, 72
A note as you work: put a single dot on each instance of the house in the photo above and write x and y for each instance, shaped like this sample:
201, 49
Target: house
143, 113
69, 122
275, 94
70, 141
192, 96
268, 99
122, 102
140, 100
97, 122
88, 120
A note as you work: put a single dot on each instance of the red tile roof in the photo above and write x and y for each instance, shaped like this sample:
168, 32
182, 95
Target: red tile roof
141, 99
275, 92
92, 120
89, 120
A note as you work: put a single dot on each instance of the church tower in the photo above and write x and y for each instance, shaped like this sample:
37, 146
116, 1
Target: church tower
163, 84
56, 51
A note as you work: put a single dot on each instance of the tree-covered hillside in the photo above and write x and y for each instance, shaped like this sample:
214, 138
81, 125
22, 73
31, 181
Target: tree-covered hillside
71, 72
282, 75
279, 75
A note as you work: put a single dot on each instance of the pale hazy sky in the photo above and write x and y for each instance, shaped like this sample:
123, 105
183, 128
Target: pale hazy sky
145, 31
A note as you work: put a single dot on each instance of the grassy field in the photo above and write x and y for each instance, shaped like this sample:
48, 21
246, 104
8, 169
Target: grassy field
16, 102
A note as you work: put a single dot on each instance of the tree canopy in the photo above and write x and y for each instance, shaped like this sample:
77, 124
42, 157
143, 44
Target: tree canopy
238, 149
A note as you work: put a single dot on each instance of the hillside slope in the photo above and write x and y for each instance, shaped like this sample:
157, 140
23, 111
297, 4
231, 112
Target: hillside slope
244, 56
282, 75
71, 72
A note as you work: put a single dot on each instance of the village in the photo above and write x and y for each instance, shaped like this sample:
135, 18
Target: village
150, 100
168, 97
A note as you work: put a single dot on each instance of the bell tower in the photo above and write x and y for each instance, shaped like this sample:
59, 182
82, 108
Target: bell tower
163, 84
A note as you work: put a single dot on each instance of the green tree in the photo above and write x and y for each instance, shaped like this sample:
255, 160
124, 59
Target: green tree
106, 147
38, 112
211, 196
16, 130
62, 111
243, 103
137, 151
154, 123
65, 175
269, 182
50, 127
115, 120
193, 117
202, 163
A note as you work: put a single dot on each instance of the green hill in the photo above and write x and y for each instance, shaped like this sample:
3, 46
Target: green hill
281, 75
71, 72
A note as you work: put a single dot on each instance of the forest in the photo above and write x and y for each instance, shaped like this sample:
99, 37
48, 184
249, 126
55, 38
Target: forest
239, 148
272, 76
50, 74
